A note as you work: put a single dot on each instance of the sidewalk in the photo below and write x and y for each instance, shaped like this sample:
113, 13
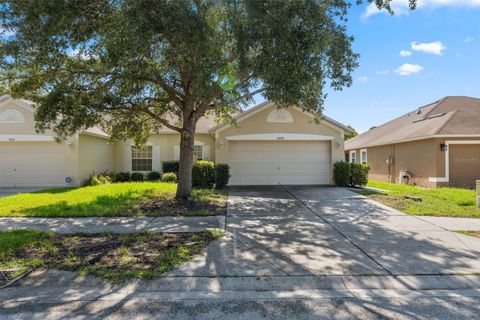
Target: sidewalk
452, 223
115, 225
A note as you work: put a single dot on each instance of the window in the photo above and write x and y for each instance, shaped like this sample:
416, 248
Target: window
363, 156
353, 157
142, 158
198, 152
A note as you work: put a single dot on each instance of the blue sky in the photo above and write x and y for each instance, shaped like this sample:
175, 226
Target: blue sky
443, 60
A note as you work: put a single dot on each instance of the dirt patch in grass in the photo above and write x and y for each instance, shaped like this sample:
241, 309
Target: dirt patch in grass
159, 206
114, 257
393, 202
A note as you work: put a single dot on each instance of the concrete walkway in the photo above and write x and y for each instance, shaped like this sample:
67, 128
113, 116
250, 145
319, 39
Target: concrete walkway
115, 225
453, 224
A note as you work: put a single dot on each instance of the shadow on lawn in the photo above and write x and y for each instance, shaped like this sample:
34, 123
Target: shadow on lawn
101, 206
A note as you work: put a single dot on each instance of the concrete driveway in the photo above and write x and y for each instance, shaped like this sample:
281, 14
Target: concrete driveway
295, 230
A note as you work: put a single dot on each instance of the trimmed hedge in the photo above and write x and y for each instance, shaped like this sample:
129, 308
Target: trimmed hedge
169, 177
350, 174
359, 174
98, 179
341, 173
122, 177
153, 176
203, 174
170, 166
137, 176
222, 175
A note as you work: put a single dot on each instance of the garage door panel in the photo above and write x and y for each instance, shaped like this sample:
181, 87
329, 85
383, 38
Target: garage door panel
32, 164
279, 162
464, 163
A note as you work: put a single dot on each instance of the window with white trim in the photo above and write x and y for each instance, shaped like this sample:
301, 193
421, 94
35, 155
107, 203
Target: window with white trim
363, 156
198, 152
142, 159
353, 157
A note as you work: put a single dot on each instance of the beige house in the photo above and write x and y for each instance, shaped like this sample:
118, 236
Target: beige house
266, 146
432, 146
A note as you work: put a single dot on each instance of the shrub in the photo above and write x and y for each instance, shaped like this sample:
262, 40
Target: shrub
98, 179
342, 173
169, 177
122, 177
359, 174
222, 175
170, 166
203, 174
137, 176
153, 176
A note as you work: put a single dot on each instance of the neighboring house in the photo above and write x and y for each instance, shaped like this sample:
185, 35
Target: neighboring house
266, 146
433, 146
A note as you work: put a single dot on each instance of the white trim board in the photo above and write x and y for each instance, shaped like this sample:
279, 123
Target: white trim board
447, 159
279, 137
25, 138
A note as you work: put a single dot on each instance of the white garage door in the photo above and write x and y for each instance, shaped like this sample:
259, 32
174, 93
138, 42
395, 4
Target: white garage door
27, 164
279, 162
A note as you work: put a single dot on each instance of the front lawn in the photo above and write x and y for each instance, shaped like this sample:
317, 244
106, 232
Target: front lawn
118, 199
114, 257
447, 202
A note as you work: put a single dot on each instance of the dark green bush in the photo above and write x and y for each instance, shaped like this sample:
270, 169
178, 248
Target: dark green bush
203, 174
137, 176
153, 176
170, 166
169, 177
341, 173
122, 177
359, 174
222, 175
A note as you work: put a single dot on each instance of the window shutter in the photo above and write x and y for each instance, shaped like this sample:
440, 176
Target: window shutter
127, 157
206, 152
156, 165
176, 153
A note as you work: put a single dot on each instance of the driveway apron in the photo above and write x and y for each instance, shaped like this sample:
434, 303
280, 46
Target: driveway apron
310, 231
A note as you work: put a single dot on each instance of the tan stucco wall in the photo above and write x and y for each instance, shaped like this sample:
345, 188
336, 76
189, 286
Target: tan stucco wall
423, 158
28, 128
302, 124
165, 142
95, 155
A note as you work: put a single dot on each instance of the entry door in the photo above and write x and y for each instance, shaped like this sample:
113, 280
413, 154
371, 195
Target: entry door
279, 162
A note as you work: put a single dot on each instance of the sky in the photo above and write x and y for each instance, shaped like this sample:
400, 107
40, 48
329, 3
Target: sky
408, 60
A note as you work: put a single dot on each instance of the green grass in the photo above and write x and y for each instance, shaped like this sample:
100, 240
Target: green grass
448, 202
114, 257
119, 199
470, 233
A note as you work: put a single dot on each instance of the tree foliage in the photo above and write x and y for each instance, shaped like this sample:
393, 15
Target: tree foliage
351, 134
134, 66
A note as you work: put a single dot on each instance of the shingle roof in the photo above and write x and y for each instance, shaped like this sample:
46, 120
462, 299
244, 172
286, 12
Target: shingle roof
453, 115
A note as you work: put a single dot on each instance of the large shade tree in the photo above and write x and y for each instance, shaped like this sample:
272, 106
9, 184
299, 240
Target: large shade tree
134, 66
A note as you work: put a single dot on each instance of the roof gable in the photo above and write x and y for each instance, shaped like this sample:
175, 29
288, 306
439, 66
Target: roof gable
448, 116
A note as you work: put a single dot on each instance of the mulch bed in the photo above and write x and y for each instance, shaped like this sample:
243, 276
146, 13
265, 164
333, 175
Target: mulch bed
397, 203
71, 252
167, 207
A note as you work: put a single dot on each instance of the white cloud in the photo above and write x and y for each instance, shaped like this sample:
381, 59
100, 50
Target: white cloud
362, 78
400, 7
405, 53
407, 69
468, 39
382, 72
435, 47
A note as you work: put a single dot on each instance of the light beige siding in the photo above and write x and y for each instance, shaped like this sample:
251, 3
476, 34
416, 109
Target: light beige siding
95, 155
166, 144
302, 124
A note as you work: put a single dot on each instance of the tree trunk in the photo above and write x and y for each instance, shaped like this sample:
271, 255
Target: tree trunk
187, 140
